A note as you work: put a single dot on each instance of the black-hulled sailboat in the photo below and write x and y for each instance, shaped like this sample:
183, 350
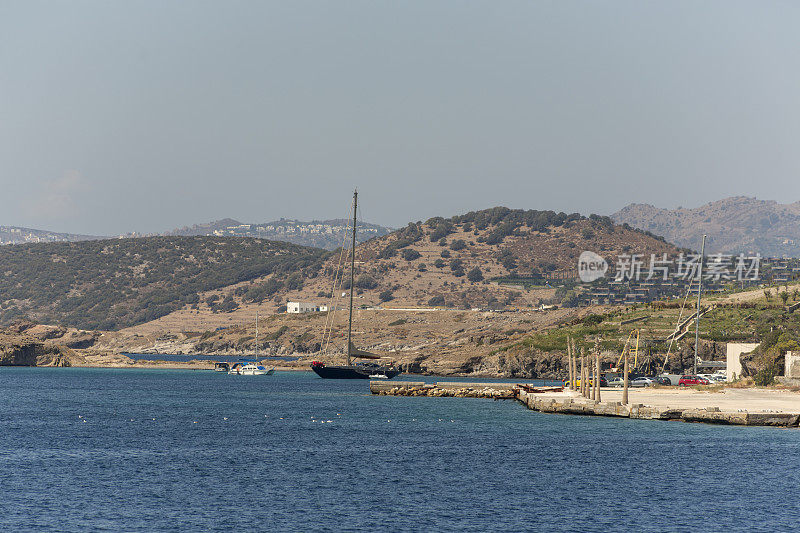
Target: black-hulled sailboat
354, 370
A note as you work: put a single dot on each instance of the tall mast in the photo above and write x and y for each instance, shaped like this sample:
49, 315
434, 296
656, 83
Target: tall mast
352, 276
256, 335
697, 317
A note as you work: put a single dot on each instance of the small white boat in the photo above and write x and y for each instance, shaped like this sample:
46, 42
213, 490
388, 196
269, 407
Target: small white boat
378, 376
250, 369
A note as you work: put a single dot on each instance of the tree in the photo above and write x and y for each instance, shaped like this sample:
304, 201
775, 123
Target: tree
458, 245
365, 281
784, 296
475, 275
409, 254
767, 294
386, 296
436, 301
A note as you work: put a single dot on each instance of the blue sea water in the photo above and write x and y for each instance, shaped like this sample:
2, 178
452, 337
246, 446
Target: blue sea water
180, 450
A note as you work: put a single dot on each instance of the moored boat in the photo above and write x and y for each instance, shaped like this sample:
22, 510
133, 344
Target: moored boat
353, 370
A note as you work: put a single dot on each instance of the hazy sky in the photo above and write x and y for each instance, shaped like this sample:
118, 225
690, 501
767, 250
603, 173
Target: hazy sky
118, 116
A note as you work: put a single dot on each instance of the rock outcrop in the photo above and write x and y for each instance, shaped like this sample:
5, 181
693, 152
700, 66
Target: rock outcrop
21, 350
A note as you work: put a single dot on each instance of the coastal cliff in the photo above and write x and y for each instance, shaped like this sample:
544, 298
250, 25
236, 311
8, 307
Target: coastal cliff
24, 351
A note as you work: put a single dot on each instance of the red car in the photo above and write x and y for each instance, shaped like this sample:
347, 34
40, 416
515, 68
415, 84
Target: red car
692, 380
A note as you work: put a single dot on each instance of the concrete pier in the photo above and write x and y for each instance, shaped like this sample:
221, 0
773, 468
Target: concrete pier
684, 405
495, 391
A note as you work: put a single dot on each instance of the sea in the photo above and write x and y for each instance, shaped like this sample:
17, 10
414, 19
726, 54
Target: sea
192, 450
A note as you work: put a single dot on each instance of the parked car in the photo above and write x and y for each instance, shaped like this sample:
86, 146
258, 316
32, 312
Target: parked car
689, 380
616, 381
603, 382
662, 380
642, 381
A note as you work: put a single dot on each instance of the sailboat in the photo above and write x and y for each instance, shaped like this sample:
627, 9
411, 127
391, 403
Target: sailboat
354, 370
251, 369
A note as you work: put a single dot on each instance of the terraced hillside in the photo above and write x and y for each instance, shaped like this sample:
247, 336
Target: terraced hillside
451, 262
766, 319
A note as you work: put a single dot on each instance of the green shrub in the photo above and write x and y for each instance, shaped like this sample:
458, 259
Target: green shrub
410, 254
475, 275
436, 301
766, 376
386, 296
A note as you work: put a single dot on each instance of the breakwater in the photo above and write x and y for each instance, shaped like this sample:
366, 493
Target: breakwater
556, 400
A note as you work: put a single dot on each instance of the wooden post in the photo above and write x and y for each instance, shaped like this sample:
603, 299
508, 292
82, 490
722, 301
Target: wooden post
593, 383
569, 363
625, 378
597, 374
572, 366
583, 380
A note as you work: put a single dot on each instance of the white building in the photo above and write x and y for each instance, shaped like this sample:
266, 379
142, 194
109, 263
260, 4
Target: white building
301, 307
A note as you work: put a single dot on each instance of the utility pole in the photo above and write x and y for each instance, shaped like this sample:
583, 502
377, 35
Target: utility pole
697, 316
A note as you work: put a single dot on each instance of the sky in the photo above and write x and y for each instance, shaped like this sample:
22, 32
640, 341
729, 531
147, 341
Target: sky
146, 116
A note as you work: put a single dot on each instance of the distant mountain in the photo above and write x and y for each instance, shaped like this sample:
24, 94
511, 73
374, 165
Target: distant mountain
327, 234
733, 225
17, 235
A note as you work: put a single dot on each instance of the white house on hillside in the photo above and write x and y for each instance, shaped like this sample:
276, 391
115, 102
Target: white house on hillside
301, 307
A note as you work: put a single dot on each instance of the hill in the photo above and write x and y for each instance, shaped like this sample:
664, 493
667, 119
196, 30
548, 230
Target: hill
196, 282
110, 284
452, 262
733, 225
327, 234
495, 258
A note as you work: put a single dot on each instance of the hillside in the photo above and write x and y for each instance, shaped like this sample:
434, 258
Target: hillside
733, 225
327, 234
116, 283
202, 283
449, 263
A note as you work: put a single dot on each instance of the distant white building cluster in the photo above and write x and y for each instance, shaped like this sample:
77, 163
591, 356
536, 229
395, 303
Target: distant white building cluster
305, 307
17, 235
289, 228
